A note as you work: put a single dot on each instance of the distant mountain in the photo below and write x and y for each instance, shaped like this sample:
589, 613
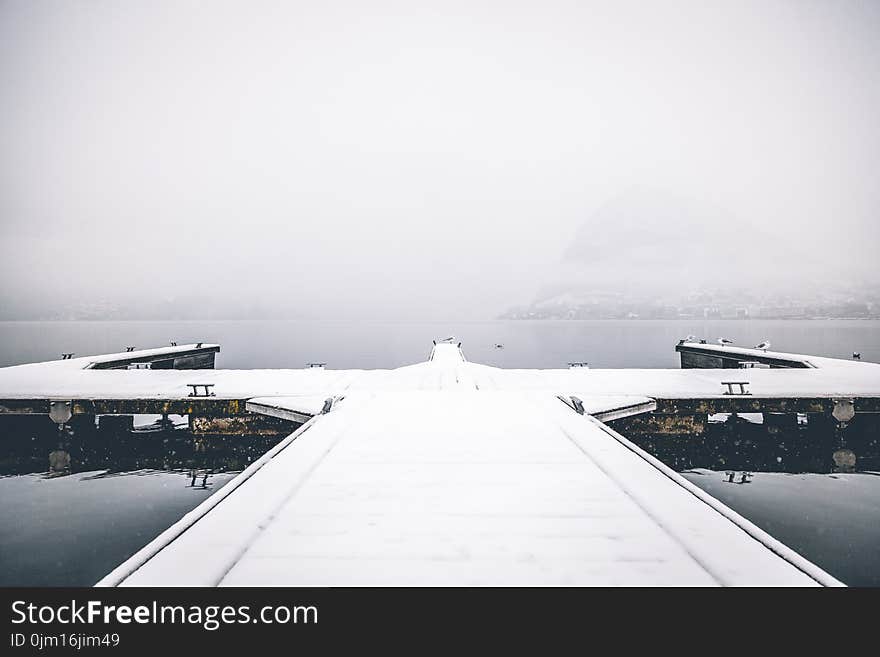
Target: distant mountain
647, 251
651, 239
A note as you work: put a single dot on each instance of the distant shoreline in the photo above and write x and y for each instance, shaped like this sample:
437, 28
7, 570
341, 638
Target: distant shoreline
412, 320
682, 319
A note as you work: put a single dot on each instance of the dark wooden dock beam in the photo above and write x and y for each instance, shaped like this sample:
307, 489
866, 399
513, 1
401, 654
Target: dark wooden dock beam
199, 357
695, 357
208, 406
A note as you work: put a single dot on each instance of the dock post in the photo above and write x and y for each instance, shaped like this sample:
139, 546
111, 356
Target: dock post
60, 412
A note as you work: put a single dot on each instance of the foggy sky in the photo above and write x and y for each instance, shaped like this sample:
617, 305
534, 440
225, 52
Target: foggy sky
419, 159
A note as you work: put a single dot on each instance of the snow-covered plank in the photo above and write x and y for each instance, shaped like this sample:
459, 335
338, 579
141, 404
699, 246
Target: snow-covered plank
296, 408
460, 487
609, 407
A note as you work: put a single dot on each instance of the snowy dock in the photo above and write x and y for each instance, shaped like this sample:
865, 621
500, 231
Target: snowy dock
105, 384
99, 385
702, 355
432, 476
454, 473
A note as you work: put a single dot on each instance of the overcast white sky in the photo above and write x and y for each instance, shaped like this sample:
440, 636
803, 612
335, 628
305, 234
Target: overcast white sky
421, 159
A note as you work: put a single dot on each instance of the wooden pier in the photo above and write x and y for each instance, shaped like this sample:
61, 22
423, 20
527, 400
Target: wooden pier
451, 472
102, 385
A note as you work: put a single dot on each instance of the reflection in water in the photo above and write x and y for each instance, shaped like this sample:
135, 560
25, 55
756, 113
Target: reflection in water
72, 530
59, 461
744, 477
809, 482
78, 503
831, 519
752, 442
194, 477
171, 449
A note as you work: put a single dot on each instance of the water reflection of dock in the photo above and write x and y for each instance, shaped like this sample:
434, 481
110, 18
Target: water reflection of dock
173, 450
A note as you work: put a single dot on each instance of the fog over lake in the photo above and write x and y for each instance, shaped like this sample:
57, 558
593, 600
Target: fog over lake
431, 160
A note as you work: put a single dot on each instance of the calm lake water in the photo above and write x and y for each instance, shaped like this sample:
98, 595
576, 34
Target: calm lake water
348, 345
70, 530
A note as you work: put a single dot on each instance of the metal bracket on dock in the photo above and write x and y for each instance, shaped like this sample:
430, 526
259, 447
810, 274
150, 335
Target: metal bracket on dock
844, 410
60, 412
315, 366
573, 403
195, 389
742, 387
67, 355
129, 349
574, 365
330, 402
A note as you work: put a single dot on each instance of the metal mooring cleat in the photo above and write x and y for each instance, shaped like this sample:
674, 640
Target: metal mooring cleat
208, 387
742, 387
